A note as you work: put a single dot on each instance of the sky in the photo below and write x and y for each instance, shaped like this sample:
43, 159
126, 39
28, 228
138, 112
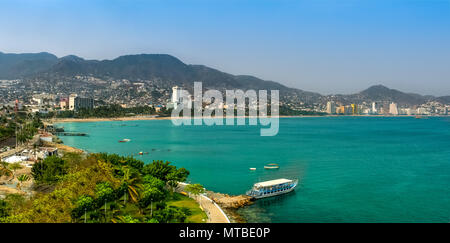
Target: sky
325, 46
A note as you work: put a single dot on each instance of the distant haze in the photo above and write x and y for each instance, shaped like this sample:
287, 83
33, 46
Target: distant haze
325, 46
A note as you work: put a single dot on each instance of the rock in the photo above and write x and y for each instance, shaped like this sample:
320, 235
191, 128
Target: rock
228, 201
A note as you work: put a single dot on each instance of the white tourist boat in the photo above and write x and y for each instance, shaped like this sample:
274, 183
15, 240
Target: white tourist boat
272, 188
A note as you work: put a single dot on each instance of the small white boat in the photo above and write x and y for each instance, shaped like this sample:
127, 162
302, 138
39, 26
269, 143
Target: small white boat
252, 168
271, 166
272, 188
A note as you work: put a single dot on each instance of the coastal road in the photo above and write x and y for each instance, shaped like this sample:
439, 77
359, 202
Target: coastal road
214, 212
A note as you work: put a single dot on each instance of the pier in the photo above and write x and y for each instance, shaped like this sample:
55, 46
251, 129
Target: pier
80, 134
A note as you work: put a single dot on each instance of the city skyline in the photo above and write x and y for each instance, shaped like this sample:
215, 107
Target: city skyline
314, 46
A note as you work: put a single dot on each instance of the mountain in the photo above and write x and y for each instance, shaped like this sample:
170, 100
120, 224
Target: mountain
444, 99
382, 93
165, 71
158, 66
13, 66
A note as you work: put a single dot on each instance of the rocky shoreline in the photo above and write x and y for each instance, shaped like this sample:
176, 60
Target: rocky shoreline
230, 204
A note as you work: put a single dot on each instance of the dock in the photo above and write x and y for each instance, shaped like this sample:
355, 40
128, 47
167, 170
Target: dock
71, 134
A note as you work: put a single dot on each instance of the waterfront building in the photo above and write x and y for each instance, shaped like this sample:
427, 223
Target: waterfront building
176, 95
393, 110
83, 103
374, 108
341, 110
422, 111
354, 109
409, 111
64, 103
72, 101
331, 109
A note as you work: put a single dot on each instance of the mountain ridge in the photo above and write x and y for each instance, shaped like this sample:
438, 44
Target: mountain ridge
169, 70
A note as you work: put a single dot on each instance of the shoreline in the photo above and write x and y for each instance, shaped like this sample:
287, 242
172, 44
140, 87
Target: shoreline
216, 214
147, 118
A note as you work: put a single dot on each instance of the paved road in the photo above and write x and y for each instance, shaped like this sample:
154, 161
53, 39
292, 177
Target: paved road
214, 212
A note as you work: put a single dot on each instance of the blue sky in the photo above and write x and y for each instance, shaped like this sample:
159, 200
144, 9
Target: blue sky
326, 46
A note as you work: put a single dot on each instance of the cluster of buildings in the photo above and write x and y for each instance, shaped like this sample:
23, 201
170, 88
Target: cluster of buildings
386, 108
177, 99
45, 103
74, 103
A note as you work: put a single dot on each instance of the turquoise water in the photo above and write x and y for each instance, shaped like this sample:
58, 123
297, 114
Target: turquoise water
351, 169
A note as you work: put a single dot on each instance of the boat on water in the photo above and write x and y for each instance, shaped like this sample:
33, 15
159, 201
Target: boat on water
124, 140
252, 168
272, 188
271, 166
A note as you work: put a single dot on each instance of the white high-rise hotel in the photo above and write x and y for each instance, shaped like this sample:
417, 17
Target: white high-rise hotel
176, 96
374, 108
393, 109
331, 108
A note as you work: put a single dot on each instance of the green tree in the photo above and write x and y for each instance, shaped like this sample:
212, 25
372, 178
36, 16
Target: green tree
195, 189
4, 209
103, 194
50, 170
166, 172
22, 178
177, 175
83, 205
14, 167
170, 214
149, 195
159, 169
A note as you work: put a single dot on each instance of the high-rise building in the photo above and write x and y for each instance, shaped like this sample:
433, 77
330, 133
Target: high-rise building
354, 109
330, 108
76, 103
64, 103
374, 108
72, 101
176, 95
83, 103
393, 110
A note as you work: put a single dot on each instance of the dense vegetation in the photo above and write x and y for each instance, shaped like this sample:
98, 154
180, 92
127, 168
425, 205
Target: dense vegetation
108, 111
286, 111
100, 188
25, 124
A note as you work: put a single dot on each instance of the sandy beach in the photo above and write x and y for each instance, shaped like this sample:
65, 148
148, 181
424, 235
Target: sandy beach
144, 118
134, 118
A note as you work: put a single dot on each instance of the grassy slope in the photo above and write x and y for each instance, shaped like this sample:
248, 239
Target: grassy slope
197, 215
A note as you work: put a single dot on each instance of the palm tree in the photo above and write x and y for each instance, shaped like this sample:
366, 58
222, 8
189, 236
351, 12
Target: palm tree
132, 187
4, 170
22, 178
14, 167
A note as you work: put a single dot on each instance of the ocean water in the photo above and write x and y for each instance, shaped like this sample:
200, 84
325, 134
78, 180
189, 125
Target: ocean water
350, 169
